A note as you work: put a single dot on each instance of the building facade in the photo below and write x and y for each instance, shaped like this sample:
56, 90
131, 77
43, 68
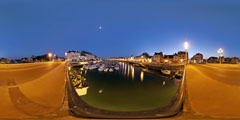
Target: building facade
158, 57
198, 58
72, 56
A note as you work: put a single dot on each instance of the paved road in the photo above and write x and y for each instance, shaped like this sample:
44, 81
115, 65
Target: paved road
31, 90
35, 90
214, 90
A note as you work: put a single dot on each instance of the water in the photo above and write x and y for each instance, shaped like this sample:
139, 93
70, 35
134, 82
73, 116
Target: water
128, 89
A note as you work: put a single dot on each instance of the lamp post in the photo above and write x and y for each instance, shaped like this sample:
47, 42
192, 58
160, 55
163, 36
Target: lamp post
220, 51
50, 56
186, 52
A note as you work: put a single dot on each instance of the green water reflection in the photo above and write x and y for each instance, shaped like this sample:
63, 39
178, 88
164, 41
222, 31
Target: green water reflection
128, 89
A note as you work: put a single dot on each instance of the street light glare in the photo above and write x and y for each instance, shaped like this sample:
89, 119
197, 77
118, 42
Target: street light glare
220, 51
49, 54
186, 45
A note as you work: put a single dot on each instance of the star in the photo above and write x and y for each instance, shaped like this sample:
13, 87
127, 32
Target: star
100, 27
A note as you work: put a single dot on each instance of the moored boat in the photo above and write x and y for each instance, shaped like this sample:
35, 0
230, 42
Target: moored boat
166, 72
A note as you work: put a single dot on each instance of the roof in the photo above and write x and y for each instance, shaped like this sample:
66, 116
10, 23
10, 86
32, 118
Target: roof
168, 56
160, 53
73, 51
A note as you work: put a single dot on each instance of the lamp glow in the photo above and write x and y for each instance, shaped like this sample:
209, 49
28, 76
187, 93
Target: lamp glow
50, 55
220, 51
186, 45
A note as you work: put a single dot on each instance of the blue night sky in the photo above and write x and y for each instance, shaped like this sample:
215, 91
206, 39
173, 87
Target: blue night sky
129, 27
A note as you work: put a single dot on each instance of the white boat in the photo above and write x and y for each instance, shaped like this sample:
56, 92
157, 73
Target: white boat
116, 68
93, 67
167, 72
111, 70
87, 67
106, 69
100, 69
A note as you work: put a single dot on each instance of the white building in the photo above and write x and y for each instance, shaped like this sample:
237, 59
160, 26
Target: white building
73, 56
90, 57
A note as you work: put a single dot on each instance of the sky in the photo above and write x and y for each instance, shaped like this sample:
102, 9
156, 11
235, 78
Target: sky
112, 28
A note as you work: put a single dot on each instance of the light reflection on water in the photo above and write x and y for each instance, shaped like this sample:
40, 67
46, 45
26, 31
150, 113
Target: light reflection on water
142, 76
125, 90
132, 68
129, 70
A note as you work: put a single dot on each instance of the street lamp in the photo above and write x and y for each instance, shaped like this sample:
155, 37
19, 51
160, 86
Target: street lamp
186, 45
50, 56
220, 51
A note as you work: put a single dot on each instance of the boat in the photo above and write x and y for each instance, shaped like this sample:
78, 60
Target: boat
111, 70
166, 72
100, 69
92, 67
116, 68
106, 69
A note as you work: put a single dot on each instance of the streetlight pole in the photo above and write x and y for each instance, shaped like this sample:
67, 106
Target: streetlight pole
186, 52
220, 51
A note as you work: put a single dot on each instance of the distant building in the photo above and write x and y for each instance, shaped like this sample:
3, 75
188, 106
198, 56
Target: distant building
168, 58
198, 58
158, 57
213, 60
73, 56
233, 60
4, 61
182, 56
176, 58
87, 56
144, 57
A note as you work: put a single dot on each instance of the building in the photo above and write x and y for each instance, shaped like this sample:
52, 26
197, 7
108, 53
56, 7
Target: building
233, 60
176, 58
158, 57
144, 57
182, 56
87, 56
213, 60
168, 58
72, 56
198, 58
4, 61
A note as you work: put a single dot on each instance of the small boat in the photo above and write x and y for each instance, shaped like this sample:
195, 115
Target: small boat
92, 67
100, 69
116, 68
166, 72
106, 69
111, 70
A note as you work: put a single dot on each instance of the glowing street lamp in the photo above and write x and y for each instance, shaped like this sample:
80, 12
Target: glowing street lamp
186, 45
220, 51
50, 55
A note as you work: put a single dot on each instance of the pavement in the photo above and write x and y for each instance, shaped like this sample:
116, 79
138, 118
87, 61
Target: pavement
31, 90
37, 91
213, 89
